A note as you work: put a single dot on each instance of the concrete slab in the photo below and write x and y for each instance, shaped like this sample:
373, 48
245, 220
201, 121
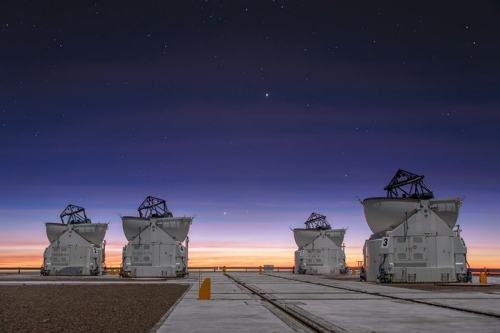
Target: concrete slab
396, 316
350, 309
230, 309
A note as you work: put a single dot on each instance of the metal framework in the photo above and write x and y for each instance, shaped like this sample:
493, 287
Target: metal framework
406, 184
154, 207
317, 221
74, 215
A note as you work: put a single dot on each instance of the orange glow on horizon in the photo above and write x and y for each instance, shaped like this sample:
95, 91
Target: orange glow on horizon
242, 257
30, 254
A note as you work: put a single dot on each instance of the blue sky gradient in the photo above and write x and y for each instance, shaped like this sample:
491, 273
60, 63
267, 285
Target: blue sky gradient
249, 115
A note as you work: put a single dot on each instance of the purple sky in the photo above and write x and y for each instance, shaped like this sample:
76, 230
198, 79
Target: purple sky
248, 114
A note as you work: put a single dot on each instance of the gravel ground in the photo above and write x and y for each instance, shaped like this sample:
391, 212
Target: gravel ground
86, 308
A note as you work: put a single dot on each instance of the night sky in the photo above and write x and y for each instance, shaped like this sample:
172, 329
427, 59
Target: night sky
249, 115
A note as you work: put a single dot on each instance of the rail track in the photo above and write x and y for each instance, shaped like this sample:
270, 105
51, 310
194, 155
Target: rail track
482, 313
316, 324
307, 321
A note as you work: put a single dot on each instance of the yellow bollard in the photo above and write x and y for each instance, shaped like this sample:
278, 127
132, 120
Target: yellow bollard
260, 269
204, 292
223, 269
482, 276
353, 272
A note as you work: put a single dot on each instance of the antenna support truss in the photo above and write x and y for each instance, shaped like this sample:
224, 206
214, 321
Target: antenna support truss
406, 184
317, 221
154, 207
74, 215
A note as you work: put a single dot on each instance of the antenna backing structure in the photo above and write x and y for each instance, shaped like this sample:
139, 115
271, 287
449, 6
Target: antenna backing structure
406, 184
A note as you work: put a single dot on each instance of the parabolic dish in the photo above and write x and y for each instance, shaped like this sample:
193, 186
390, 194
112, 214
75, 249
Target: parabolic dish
305, 236
132, 226
336, 235
54, 230
382, 213
93, 232
175, 227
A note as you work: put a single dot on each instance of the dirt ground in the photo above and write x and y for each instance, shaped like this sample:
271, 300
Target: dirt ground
86, 308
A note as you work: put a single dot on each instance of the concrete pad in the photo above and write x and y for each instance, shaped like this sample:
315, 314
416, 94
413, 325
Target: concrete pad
235, 309
389, 316
230, 309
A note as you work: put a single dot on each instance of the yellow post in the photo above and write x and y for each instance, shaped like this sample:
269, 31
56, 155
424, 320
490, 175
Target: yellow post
260, 269
223, 269
482, 277
204, 292
353, 272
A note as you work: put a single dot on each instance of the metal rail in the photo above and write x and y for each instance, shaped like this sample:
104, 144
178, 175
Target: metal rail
315, 325
394, 297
